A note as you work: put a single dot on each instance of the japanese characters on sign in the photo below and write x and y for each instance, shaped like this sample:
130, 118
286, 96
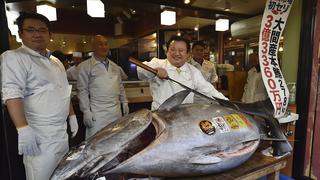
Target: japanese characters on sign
273, 22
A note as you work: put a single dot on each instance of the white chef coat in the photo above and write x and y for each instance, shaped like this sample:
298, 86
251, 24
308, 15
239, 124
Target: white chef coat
207, 70
72, 73
254, 90
209, 73
100, 91
190, 76
42, 84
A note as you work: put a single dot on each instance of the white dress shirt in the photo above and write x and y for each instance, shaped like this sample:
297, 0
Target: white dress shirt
162, 89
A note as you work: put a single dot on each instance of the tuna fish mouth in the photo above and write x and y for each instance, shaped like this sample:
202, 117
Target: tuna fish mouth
238, 149
87, 168
135, 146
94, 157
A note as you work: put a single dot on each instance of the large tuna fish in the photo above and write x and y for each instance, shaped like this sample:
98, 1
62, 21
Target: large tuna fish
176, 140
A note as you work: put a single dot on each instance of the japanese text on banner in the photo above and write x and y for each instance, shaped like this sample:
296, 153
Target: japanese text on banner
273, 22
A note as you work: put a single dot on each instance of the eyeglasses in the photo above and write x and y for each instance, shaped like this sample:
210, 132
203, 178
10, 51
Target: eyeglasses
32, 30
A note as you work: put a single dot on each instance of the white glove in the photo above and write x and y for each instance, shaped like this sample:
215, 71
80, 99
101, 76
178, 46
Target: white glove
73, 125
28, 141
88, 119
125, 108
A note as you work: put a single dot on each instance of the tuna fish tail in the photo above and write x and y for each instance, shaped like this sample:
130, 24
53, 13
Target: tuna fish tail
281, 147
270, 130
264, 109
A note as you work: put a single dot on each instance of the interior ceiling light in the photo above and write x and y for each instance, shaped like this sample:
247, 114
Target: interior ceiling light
95, 8
178, 33
133, 11
196, 28
168, 17
84, 41
222, 25
127, 14
154, 45
186, 1
154, 35
227, 6
48, 11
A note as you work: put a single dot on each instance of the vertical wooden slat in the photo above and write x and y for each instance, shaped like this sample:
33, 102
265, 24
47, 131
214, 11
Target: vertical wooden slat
220, 48
315, 154
306, 93
312, 148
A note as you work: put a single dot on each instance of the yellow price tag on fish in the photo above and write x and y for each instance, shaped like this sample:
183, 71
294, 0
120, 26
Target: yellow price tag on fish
241, 122
232, 123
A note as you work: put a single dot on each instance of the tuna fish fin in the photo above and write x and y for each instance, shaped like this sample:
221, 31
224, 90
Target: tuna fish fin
279, 147
205, 159
262, 109
174, 100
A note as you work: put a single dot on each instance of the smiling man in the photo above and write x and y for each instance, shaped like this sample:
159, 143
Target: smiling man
176, 68
36, 92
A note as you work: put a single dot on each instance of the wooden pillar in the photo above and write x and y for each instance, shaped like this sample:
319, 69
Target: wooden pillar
160, 43
312, 149
220, 48
307, 138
